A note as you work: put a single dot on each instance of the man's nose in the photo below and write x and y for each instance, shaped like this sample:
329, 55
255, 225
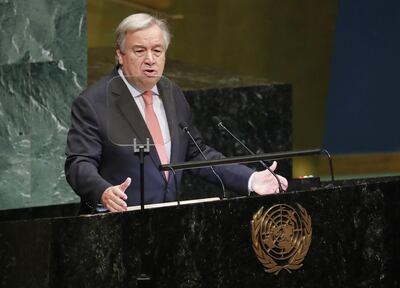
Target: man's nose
150, 59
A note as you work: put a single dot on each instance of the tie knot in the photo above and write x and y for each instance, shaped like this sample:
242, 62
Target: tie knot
148, 97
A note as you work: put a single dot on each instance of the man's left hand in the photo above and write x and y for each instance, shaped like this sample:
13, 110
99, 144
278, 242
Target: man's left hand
264, 182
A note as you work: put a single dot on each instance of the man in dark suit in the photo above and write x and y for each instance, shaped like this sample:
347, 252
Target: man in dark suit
136, 102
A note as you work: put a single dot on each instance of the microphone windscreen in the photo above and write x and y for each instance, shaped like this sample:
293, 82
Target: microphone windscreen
216, 120
183, 125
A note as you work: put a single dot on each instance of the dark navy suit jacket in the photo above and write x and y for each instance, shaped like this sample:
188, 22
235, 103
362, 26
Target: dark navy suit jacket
105, 120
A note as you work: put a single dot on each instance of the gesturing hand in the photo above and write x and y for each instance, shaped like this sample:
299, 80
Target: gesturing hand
264, 182
114, 197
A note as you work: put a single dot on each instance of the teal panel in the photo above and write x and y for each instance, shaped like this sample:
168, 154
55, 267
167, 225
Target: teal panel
54, 85
15, 143
14, 34
42, 68
58, 30
39, 31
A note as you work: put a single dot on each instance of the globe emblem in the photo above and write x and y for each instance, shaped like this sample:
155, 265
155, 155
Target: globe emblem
281, 232
281, 237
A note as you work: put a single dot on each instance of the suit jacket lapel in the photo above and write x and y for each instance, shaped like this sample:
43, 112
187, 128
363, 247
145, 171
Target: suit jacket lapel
129, 109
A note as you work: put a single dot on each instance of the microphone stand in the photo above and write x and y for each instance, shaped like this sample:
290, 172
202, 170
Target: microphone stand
177, 189
186, 129
142, 150
219, 124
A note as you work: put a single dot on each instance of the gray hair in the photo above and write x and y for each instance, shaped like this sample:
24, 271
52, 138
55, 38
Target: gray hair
140, 21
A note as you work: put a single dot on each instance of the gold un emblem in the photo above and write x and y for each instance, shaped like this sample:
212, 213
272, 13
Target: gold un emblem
281, 237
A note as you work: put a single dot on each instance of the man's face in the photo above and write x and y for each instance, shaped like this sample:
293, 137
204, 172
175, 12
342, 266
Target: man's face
144, 57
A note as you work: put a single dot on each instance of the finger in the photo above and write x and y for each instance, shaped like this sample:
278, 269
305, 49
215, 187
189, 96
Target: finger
284, 182
125, 184
117, 192
273, 166
117, 200
115, 207
117, 196
114, 194
110, 205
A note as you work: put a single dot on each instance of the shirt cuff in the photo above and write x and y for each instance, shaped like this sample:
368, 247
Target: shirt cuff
249, 190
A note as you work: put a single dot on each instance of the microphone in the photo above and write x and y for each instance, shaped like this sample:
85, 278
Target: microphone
218, 122
185, 128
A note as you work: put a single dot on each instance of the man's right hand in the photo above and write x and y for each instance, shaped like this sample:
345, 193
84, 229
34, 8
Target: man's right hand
114, 197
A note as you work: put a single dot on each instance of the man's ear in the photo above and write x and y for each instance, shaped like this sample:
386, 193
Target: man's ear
119, 56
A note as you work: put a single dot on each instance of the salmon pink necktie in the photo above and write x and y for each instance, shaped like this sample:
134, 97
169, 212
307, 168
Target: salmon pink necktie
154, 128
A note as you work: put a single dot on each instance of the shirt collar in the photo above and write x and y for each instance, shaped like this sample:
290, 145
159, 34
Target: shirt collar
132, 89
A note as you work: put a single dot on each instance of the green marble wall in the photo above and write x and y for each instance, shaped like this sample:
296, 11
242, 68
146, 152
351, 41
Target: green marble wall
42, 68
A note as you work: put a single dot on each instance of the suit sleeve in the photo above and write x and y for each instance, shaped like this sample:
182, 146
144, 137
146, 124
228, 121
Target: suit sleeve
83, 153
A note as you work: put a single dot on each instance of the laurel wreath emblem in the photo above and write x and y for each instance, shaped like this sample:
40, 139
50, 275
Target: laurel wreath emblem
296, 247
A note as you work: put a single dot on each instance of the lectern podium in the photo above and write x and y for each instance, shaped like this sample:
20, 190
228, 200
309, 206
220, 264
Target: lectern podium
354, 243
